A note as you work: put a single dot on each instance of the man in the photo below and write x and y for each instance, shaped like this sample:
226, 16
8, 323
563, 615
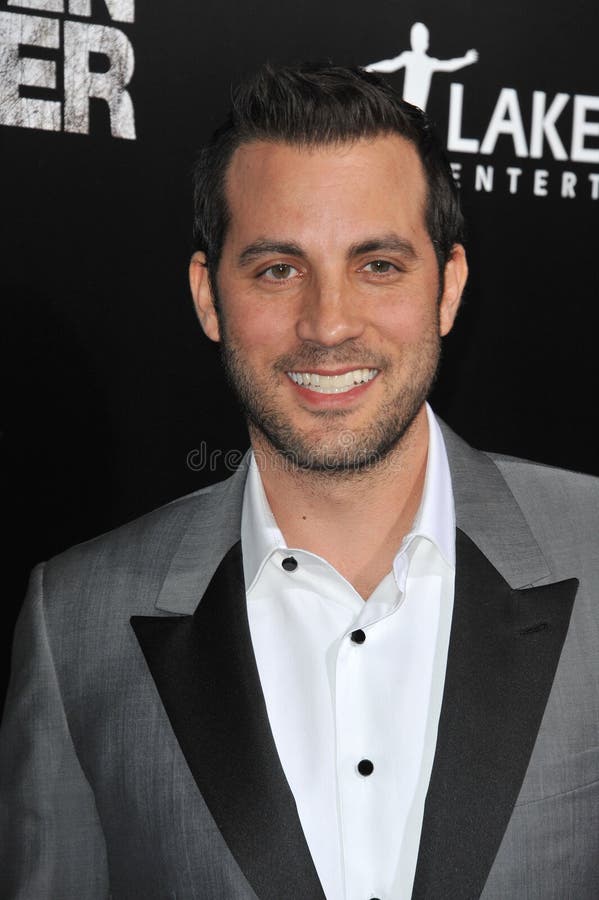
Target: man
364, 666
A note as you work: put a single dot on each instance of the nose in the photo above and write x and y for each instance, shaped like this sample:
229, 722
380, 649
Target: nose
328, 315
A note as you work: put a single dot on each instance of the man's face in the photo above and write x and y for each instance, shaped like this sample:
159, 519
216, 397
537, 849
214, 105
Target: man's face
328, 291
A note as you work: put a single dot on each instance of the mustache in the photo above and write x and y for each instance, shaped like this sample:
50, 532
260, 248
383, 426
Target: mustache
309, 356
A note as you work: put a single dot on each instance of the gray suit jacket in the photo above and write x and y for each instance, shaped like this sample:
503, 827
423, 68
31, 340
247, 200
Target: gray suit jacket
136, 755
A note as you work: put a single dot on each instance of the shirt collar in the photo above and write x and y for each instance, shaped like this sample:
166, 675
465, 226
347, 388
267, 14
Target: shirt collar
260, 534
435, 519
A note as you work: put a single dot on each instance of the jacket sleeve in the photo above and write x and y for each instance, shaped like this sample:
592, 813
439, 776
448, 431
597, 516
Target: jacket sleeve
51, 841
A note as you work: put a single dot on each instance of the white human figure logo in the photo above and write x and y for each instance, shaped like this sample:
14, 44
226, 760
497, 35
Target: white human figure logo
419, 66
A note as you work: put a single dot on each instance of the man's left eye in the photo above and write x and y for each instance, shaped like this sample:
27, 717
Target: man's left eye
280, 271
379, 266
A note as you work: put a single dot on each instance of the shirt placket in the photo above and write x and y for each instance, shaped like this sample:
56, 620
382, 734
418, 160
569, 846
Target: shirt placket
364, 767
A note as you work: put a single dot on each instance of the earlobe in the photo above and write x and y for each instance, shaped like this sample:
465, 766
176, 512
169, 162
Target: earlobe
456, 274
203, 299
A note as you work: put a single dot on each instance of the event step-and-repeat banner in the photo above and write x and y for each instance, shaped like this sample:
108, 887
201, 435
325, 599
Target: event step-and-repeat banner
113, 401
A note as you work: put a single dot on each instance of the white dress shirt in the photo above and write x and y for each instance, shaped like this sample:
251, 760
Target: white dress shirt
338, 707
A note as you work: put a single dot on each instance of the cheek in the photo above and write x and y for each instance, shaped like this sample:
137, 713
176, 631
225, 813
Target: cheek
257, 329
408, 320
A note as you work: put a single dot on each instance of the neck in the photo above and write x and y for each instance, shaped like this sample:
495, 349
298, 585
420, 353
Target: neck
354, 520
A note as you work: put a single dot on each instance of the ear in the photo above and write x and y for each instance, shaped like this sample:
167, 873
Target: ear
202, 295
456, 273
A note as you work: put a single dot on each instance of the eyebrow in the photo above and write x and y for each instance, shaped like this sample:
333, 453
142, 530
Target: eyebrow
390, 243
262, 246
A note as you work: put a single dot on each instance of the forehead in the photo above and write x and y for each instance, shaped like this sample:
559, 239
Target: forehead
376, 181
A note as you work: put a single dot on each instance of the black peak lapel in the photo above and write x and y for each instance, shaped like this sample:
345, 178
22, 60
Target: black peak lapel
206, 675
503, 652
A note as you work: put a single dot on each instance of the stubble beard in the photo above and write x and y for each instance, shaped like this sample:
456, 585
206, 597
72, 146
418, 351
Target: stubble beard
330, 449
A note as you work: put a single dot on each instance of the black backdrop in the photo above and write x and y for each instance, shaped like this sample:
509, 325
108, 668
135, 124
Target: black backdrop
113, 401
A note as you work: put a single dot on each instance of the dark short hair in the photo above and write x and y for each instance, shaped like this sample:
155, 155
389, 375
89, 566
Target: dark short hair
311, 105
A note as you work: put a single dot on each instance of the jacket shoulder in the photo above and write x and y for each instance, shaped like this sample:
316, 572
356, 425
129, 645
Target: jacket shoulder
143, 531
129, 563
561, 507
562, 486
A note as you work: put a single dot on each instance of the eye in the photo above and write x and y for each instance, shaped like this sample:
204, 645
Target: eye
379, 267
280, 272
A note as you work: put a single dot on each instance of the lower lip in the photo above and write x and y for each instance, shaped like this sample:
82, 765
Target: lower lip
315, 398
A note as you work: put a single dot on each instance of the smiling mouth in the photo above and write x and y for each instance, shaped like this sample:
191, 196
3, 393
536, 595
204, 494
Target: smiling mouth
332, 384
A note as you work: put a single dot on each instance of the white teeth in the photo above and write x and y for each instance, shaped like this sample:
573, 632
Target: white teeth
332, 384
